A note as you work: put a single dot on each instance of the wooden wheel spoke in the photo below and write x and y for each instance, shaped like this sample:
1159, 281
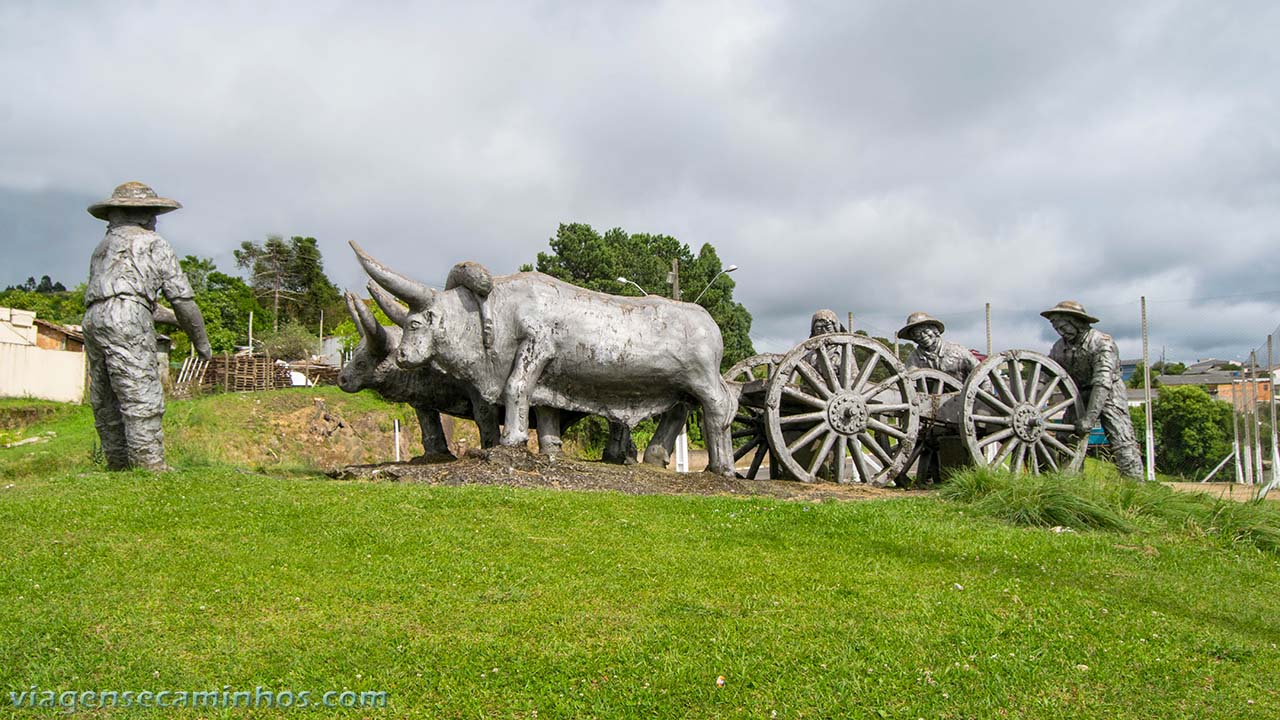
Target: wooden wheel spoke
805, 439
1000, 420
860, 462
1018, 456
748, 447
792, 392
811, 377
848, 366
865, 373
1060, 427
1047, 455
873, 424
1056, 443
749, 432
875, 449
1032, 395
761, 451
1005, 452
1060, 407
816, 416
1015, 379
995, 437
828, 372
1002, 385
994, 401
881, 386
1048, 391
842, 467
821, 455
885, 408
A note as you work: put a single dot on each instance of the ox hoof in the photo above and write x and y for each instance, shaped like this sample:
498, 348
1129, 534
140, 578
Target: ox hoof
656, 456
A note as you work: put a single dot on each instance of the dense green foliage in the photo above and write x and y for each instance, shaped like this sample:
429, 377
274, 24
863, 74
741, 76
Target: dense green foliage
1192, 430
64, 307
584, 257
291, 342
288, 276
225, 302
502, 602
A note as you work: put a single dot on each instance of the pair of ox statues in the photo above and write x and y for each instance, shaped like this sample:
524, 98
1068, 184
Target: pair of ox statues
522, 347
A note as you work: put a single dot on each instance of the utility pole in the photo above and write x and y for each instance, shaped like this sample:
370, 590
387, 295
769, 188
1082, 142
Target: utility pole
988, 329
1146, 397
250, 332
1246, 442
675, 278
1235, 430
1259, 477
321, 324
1271, 400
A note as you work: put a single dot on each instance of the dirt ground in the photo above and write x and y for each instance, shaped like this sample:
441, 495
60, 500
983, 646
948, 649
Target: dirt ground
1226, 491
519, 468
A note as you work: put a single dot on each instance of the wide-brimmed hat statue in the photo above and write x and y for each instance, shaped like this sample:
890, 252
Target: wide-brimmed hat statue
915, 320
134, 195
1071, 308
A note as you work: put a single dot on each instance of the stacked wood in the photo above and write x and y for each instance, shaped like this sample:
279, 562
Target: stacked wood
316, 373
245, 373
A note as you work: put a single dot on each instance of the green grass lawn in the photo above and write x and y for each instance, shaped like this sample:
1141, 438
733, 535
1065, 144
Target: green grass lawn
490, 602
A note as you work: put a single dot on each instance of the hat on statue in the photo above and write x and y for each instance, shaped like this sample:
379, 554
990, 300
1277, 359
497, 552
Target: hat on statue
133, 195
1072, 308
916, 319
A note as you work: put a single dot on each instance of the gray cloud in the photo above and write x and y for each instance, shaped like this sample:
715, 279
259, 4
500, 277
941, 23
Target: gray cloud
879, 158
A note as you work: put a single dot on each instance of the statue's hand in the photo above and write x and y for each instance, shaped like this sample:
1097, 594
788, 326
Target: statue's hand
1083, 428
204, 351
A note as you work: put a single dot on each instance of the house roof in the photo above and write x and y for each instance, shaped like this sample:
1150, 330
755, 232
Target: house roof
1216, 377
60, 328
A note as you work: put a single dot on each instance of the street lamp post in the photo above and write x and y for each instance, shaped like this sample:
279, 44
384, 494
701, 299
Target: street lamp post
625, 281
725, 271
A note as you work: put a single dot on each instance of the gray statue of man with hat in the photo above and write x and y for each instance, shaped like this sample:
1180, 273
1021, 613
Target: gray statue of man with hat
954, 359
932, 351
130, 269
1093, 362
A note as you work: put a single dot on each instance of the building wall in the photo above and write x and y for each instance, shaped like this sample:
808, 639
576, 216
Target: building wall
1227, 392
30, 371
17, 326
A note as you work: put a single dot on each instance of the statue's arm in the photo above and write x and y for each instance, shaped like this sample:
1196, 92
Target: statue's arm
1106, 366
192, 322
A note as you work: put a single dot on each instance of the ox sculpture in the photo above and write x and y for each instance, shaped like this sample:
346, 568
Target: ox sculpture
553, 344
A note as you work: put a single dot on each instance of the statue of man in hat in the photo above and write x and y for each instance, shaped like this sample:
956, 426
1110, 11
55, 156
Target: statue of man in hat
1093, 362
932, 351
130, 269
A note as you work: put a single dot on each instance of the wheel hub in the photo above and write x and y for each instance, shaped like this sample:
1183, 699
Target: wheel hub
1028, 425
847, 414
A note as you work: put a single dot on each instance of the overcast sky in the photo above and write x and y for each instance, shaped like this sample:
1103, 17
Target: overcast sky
878, 158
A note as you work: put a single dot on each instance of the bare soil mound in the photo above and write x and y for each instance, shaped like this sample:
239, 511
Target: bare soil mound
520, 468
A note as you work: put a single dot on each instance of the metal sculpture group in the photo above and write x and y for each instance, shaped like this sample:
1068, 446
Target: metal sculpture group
504, 349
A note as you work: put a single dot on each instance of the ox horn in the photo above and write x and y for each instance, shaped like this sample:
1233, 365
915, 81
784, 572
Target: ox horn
416, 294
352, 302
392, 307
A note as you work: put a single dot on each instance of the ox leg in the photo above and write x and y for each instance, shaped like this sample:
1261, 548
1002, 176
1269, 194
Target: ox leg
664, 438
486, 417
718, 408
621, 448
434, 442
548, 430
525, 371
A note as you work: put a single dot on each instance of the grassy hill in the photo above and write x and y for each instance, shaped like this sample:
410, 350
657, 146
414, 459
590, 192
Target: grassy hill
244, 569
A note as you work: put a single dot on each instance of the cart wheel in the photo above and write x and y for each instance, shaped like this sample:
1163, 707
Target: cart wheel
748, 428
1018, 411
842, 405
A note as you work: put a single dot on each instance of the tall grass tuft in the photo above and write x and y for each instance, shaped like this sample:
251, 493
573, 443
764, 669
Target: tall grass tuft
1101, 500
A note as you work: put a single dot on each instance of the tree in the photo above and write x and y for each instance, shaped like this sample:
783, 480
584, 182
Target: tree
226, 302
197, 270
584, 257
290, 275
65, 307
1136, 379
1192, 430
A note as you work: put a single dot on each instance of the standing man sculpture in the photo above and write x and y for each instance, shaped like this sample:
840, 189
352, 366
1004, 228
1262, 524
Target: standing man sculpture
932, 352
1093, 362
130, 268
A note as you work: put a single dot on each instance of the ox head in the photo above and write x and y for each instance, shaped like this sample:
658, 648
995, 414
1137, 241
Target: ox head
416, 346
369, 364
